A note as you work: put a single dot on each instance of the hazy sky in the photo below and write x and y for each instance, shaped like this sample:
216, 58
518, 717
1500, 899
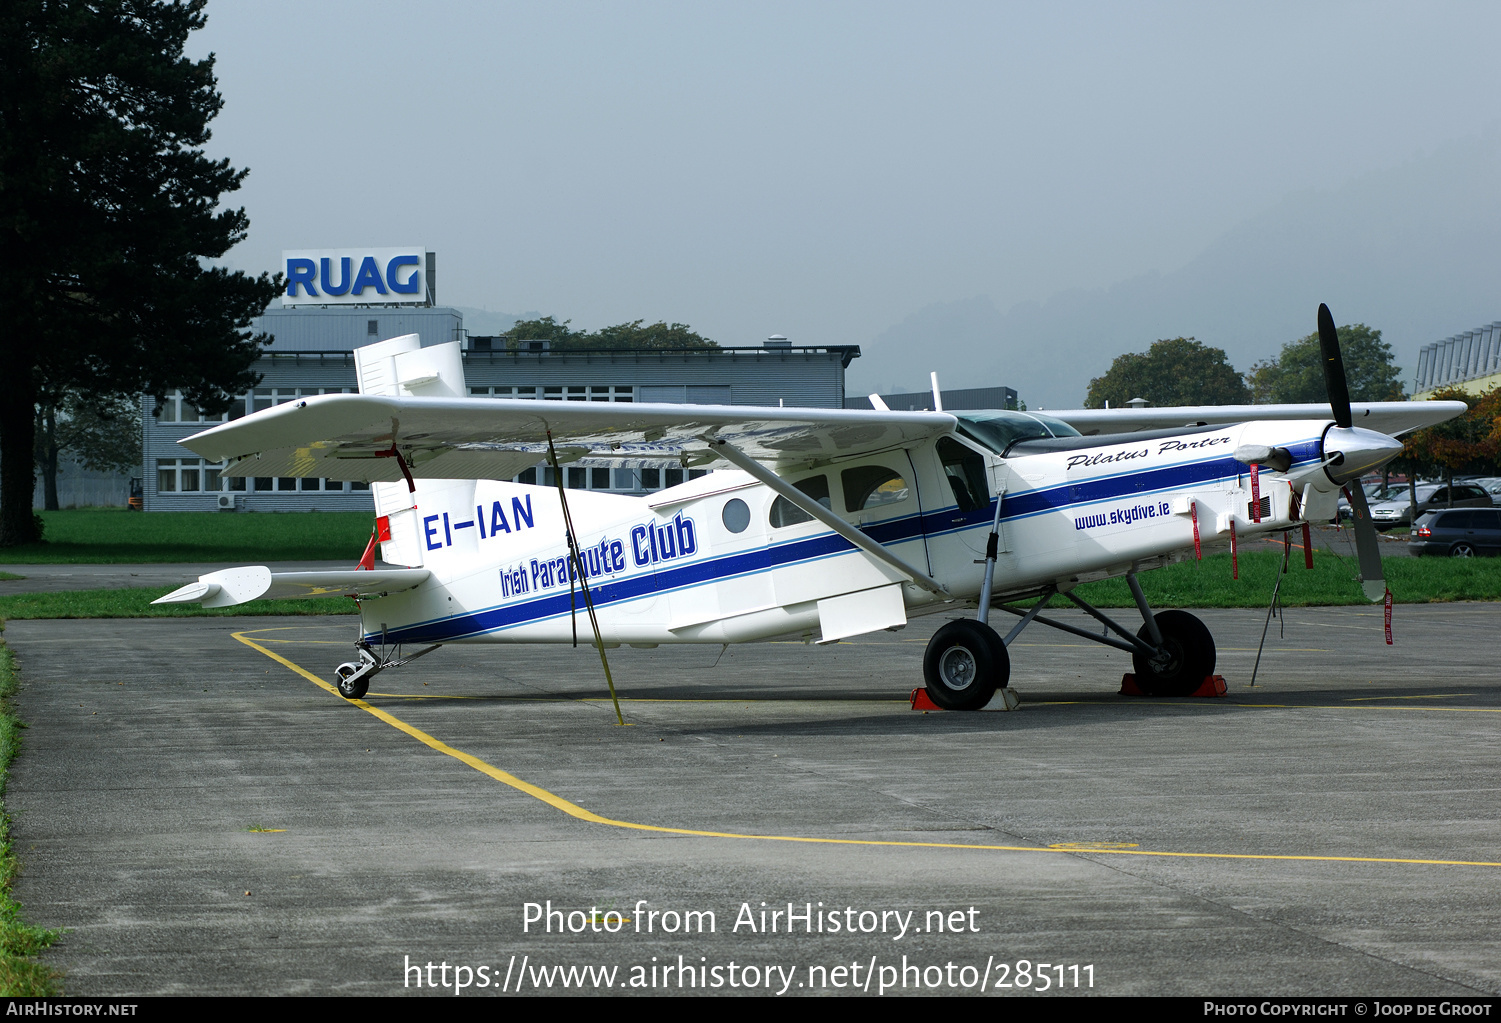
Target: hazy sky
821, 170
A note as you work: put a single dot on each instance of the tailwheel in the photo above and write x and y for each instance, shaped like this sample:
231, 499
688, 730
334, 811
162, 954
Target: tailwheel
353, 684
964, 665
1185, 659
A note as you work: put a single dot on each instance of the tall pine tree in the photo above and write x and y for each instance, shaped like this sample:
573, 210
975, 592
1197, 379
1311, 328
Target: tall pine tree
109, 218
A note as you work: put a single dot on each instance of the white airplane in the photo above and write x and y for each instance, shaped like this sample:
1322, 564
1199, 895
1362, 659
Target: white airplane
827, 523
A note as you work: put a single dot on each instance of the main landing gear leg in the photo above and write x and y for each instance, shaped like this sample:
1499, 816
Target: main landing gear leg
1172, 652
966, 660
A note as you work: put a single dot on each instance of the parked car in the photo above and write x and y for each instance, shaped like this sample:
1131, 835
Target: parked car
1375, 493
1457, 532
1431, 497
1492, 486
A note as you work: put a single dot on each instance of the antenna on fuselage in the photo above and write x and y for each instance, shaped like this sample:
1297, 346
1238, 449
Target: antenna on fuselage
937, 395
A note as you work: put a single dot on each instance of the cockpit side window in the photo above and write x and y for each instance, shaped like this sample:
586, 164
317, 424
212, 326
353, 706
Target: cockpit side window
785, 513
998, 429
965, 469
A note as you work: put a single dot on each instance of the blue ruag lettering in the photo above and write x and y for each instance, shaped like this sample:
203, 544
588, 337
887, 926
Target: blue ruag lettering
522, 512
640, 553
328, 280
304, 272
430, 530
413, 282
369, 277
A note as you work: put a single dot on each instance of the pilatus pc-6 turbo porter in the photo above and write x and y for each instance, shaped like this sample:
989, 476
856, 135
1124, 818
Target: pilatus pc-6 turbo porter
824, 523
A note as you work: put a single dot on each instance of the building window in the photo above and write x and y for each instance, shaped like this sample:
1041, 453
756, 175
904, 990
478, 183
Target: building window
593, 392
191, 476
174, 408
372, 328
269, 397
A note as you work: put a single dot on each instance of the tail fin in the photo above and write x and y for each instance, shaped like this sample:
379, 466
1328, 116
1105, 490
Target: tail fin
399, 367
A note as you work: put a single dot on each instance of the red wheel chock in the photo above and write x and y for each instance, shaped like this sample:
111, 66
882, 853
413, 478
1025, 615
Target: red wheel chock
922, 701
1213, 685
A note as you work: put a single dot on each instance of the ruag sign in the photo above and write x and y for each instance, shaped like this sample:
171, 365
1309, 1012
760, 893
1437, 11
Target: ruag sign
359, 276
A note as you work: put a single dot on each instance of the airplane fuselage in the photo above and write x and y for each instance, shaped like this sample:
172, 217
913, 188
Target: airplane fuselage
724, 559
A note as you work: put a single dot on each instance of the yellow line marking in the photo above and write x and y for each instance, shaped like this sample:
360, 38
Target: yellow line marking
1346, 706
306, 642
574, 810
605, 699
1430, 696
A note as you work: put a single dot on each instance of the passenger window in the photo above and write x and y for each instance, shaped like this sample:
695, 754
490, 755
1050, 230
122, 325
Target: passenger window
965, 469
785, 513
871, 486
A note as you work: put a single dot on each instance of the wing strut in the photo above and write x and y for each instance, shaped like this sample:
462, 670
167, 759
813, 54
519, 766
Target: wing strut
734, 455
578, 564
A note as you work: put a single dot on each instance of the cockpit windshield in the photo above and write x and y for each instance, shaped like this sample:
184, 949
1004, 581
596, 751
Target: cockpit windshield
998, 429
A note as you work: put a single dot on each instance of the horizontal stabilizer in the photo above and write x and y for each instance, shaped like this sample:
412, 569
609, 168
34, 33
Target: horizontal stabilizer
257, 582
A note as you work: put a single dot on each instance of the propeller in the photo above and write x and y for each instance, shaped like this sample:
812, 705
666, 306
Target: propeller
1367, 546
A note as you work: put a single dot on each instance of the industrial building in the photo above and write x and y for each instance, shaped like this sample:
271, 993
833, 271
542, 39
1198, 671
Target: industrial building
312, 353
1470, 361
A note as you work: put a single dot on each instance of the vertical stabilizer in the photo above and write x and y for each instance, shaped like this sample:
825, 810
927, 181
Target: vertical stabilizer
400, 367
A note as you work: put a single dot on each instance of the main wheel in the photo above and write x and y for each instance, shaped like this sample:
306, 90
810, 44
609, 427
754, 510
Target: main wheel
1187, 656
351, 688
1462, 550
964, 665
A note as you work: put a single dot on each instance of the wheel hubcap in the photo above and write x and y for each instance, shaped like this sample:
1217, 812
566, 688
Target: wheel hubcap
1168, 659
957, 668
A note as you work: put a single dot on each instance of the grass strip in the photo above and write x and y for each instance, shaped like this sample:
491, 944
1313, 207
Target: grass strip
108, 536
21, 975
1331, 583
136, 603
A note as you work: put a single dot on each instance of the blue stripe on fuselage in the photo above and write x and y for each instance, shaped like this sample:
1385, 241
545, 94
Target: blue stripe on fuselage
605, 590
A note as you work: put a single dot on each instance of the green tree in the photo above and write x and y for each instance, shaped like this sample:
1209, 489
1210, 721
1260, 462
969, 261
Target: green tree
545, 329
622, 335
1177, 371
652, 335
1297, 374
1470, 443
102, 434
109, 218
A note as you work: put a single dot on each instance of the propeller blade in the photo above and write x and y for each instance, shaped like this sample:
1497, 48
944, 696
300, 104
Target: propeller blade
1334, 368
1367, 546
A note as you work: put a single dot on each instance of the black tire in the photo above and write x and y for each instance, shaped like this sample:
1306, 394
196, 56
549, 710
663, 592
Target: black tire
1190, 656
964, 665
350, 688
1462, 550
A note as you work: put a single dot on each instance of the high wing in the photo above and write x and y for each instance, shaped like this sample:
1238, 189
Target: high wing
1393, 418
353, 436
